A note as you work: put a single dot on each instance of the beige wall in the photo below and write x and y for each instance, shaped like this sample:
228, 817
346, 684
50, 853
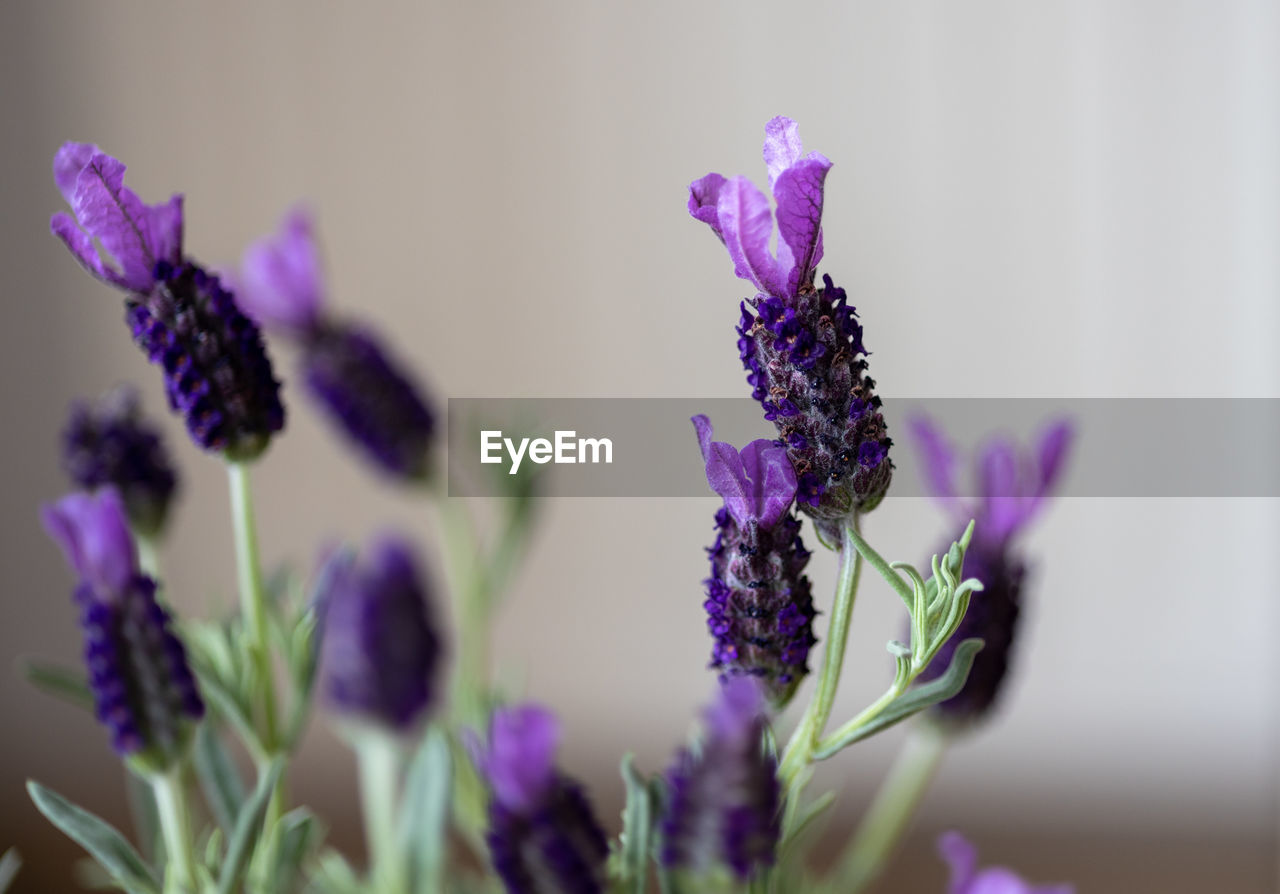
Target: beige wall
1067, 199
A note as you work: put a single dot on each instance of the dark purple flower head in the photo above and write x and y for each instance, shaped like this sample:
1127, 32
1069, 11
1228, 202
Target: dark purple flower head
216, 370
967, 879
111, 444
800, 344
759, 605
1013, 487
136, 236
723, 804
543, 836
347, 368
379, 652
142, 686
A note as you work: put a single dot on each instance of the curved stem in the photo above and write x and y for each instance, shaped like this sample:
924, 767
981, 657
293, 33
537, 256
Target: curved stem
889, 816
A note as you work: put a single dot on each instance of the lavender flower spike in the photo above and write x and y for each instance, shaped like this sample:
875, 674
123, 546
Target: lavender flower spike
759, 605
142, 686
217, 375
111, 444
346, 368
966, 879
380, 651
723, 808
543, 836
800, 344
1012, 489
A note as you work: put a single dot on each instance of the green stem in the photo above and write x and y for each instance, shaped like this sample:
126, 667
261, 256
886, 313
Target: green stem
253, 604
148, 557
887, 819
799, 751
379, 758
175, 826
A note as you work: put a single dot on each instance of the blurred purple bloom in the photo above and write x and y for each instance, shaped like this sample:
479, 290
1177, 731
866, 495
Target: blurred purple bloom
967, 879
759, 605
93, 531
757, 484
543, 835
723, 807
281, 280
134, 235
379, 649
110, 444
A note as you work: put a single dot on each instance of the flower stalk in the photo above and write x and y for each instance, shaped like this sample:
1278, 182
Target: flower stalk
174, 817
253, 605
380, 761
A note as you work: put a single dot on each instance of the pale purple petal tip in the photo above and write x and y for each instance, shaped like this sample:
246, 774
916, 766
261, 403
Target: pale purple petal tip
68, 162
281, 282
798, 193
962, 857
93, 532
702, 425
1055, 445
782, 146
520, 762
738, 705
746, 224
703, 196
938, 458
83, 250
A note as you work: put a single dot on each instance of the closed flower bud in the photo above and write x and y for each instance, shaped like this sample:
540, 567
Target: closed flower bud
543, 835
380, 650
801, 345
142, 685
759, 605
723, 804
110, 444
217, 374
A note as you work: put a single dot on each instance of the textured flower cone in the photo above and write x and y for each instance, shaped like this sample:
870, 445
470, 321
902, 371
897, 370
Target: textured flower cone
806, 363
142, 685
992, 616
558, 848
759, 605
217, 374
723, 802
348, 371
110, 444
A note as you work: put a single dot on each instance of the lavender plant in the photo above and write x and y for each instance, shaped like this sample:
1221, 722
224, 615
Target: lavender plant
460, 787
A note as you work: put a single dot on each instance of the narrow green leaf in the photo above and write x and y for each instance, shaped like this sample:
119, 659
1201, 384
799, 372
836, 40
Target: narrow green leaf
10, 863
64, 683
229, 708
219, 779
300, 832
425, 810
103, 842
637, 827
912, 701
248, 824
146, 822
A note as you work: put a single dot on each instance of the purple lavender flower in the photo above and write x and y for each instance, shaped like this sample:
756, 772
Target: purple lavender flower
543, 835
723, 808
346, 367
380, 650
142, 685
111, 444
217, 374
966, 879
801, 345
1012, 489
759, 605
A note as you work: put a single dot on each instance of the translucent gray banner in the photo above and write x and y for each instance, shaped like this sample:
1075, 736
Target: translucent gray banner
645, 447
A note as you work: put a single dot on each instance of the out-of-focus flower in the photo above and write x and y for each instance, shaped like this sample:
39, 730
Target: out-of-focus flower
347, 369
1012, 488
217, 374
380, 652
801, 345
723, 808
110, 444
543, 836
142, 686
966, 878
759, 605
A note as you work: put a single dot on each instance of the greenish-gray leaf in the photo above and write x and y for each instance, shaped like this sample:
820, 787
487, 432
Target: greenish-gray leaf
65, 683
103, 842
637, 827
240, 844
219, 779
10, 863
300, 832
425, 810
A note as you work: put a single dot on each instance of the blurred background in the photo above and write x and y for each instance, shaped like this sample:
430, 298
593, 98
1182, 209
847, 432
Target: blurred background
1029, 200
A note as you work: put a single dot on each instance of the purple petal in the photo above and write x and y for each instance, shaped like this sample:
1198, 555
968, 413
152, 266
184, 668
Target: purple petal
703, 196
773, 480
1002, 507
737, 708
94, 535
281, 281
939, 460
1055, 444
746, 225
962, 858
782, 146
520, 763
70, 160
82, 248
725, 473
798, 192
